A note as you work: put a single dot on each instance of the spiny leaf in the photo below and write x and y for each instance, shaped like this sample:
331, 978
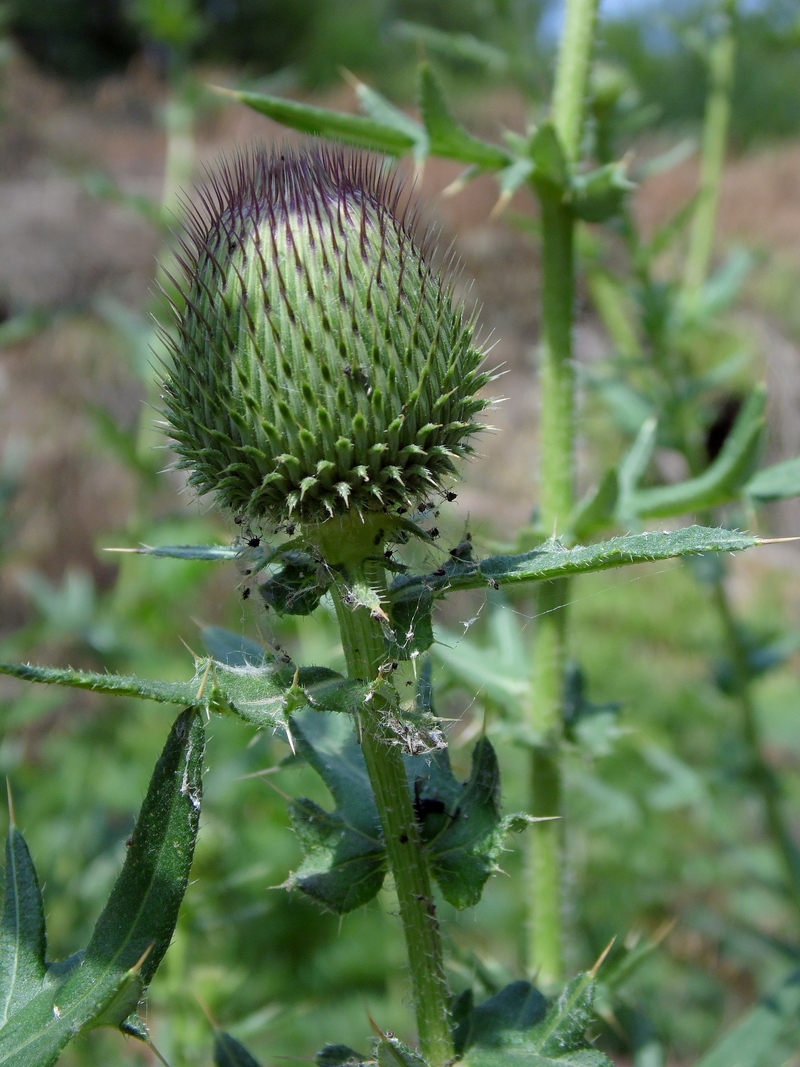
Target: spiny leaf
515, 1027
446, 137
460, 824
553, 560
393, 1053
322, 122
136, 926
343, 852
22, 933
263, 696
206, 552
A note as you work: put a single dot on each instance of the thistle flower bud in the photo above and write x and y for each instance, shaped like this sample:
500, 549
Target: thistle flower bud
320, 363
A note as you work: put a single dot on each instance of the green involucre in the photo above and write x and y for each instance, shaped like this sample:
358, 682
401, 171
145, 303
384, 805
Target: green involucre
320, 364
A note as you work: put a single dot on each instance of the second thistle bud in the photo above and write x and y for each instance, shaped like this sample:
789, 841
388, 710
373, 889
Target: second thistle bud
320, 362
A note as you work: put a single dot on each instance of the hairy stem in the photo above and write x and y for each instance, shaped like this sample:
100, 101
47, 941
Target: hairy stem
721, 67
362, 640
761, 774
556, 498
572, 73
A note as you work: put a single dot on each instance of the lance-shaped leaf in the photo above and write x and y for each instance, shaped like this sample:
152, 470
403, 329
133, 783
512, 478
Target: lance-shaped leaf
137, 923
445, 136
350, 129
22, 934
779, 482
515, 1026
344, 860
263, 696
553, 560
721, 482
212, 553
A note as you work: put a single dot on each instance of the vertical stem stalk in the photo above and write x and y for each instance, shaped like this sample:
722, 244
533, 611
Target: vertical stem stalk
556, 495
364, 650
572, 73
721, 66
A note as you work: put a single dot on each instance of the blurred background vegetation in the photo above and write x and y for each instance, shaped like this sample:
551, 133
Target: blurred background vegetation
105, 117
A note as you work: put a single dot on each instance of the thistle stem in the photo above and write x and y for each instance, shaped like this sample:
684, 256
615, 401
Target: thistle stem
365, 653
556, 497
721, 66
572, 74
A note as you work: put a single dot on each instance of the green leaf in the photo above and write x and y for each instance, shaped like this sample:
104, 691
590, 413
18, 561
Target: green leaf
548, 157
446, 138
344, 860
338, 1056
596, 510
411, 629
263, 696
517, 1007
322, 122
22, 934
634, 463
381, 110
487, 670
612, 301
207, 552
723, 287
136, 926
228, 1052
721, 482
232, 649
553, 560
461, 47
393, 1053
600, 194
759, 1038
779, 482
515, 1026
460, 824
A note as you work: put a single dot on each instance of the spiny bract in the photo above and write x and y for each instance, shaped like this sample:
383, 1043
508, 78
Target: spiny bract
320, 363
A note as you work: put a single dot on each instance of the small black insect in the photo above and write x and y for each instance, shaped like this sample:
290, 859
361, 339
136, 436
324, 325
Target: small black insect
253, 542
246, 592
493, 582
440, 572
433, 532
238, 519
451, 496
290, 529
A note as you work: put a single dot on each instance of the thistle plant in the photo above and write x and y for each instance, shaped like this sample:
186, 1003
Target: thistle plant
322, 383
